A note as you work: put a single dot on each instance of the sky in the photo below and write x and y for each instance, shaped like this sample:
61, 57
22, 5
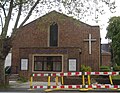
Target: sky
102, 19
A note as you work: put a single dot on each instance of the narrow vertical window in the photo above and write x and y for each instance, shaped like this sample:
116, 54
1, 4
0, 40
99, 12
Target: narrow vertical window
54, 35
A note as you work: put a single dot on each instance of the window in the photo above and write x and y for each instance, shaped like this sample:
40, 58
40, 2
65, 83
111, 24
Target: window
48, 63
53, 35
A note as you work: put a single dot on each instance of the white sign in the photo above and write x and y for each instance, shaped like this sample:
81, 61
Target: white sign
24, 64
72, 64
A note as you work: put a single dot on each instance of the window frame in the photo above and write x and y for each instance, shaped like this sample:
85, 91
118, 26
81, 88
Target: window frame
61, 67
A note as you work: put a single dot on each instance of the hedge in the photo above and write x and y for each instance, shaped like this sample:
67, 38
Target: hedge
116, 68
104, 69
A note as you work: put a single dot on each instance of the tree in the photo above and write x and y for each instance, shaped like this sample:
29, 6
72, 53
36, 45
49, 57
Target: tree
17, 9
7, 8
91, 9
113, 33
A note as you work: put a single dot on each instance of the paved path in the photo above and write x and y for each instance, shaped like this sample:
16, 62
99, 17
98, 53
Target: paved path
24, 88
15, 84
42, 91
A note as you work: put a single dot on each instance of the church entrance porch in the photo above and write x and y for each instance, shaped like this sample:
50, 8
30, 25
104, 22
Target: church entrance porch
49, 60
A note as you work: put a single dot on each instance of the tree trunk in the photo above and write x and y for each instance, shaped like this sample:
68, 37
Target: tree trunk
2, 72
4, 50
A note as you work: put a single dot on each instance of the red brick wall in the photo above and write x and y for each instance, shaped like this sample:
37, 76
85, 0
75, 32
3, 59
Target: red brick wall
71, 34
106, 59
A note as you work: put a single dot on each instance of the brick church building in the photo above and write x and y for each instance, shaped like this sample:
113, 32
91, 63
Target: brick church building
55, 43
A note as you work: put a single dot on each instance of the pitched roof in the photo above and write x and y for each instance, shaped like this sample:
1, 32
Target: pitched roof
52, 13
55, 12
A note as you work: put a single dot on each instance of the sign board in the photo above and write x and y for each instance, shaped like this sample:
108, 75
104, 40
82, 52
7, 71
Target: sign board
72, 64
24, 64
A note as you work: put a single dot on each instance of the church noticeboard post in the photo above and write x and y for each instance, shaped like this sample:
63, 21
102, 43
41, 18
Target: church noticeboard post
72, 64
24, 64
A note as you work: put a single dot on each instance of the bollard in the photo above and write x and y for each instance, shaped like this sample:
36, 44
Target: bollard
111, 82
56, 80
48, 82
83, 83
83, 80
62, 81
48, 89
89, 80
31, 80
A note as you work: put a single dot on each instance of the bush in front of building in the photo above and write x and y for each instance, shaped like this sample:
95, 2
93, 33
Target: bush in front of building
104, 69
85, 68
22, 79
116, 68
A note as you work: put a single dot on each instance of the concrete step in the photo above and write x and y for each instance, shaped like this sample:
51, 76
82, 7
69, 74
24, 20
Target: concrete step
13, 77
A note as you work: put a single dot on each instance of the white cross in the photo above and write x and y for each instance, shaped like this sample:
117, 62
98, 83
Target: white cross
90, 40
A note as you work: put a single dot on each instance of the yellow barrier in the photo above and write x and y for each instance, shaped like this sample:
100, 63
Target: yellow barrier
85, 85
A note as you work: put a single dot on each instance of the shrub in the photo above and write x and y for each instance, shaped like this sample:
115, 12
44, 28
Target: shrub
116, 77
85, 68
116, 68
22, 79
104, 69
